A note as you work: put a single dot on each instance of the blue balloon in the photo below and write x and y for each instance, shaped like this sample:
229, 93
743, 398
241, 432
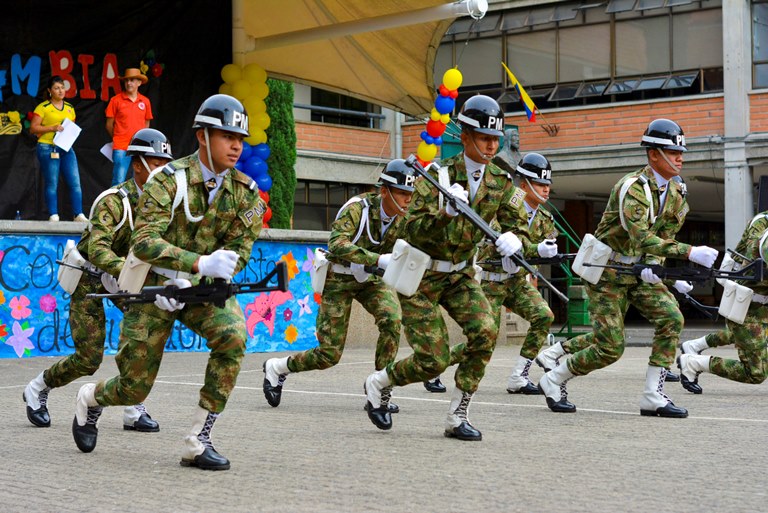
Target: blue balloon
264, 182
444, 104
239, 165
247, 152
437, 141
261, 150
254, 167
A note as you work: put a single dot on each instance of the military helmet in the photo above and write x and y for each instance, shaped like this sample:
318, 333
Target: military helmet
149, 142
536, 168
482, 114
664, 134
398, 175
223, 112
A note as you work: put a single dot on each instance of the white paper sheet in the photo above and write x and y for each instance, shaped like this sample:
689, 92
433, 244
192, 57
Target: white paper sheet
67, 137
106, 150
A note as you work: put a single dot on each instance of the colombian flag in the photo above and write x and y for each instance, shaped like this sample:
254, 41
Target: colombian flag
530, 107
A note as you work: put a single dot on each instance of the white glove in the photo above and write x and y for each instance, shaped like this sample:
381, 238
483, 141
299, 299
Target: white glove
648, 277
684, 287
219, 264
359, 272
703, 255
509, 266
457, 191
384, 260
110, 283
547, 248
170, 304
508, 244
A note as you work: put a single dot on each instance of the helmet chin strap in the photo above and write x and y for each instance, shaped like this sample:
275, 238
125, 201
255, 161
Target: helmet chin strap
400, 211
208, 151
486, 156
538, 196
146, 166
668, 161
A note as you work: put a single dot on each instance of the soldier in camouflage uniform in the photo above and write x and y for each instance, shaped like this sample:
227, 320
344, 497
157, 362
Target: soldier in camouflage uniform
363, 234
213, 236
104, 244
635, 234
506, 285
749, 337
451, 241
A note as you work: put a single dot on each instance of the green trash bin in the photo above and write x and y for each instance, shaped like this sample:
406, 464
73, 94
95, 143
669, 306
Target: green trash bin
578, 306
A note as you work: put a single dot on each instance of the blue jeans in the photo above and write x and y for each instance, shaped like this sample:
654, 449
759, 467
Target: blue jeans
67, 164
121, 166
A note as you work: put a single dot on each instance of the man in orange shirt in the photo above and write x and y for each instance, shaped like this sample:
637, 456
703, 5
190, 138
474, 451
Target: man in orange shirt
127, 112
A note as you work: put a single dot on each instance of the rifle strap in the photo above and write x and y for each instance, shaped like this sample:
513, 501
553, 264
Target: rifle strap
365, 224
623, 192
445, 182
127, 213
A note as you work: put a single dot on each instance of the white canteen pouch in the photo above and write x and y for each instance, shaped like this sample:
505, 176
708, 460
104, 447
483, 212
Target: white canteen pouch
69, 277
406, 268
133, 274
592, 251
320, 270
735, 301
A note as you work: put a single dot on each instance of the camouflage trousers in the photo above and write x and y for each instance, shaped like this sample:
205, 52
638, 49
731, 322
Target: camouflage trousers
87, 324
750, 340
521, 297
333, 321
427, 333
143, 334
608, 304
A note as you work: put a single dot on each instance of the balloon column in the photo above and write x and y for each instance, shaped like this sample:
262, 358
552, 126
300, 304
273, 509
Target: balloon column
249, 85
439, 117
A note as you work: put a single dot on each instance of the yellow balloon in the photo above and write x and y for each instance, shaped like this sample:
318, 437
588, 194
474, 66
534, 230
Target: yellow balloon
257, 137
452, 79
254, 73
426, 152
241, 88
261, 120
260, 91
434, 115
225, 89
230, 73
253, 105
445, 119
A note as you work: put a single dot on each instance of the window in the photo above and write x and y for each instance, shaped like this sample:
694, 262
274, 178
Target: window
317, 203
642, 46
329, 107
760, 44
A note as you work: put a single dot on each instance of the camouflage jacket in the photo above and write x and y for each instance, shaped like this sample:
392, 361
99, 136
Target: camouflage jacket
542, 227
168, 239
102, 245
652, 241
749, 246
455, 239
364, 250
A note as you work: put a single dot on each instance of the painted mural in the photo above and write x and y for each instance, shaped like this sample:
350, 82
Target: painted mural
34, 309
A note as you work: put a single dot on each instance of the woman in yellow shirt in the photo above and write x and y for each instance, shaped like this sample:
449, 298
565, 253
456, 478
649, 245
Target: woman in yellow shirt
48, 119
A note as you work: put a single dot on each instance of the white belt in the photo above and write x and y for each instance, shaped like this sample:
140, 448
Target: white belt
759, 298
624, 259
495, 277
340, 269
444, 266
171, 274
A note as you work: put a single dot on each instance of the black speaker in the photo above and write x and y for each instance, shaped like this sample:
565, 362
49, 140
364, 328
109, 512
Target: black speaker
762, 194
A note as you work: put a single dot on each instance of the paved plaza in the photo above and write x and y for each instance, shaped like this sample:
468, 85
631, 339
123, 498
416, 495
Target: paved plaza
318, 452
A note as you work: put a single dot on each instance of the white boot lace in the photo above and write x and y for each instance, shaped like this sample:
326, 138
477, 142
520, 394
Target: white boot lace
43, 397
462, 410
94, 412
386, 395
205, 433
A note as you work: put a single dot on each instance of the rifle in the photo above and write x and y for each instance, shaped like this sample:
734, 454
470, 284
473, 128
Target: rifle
558, 259
215, 291
370, 269
473, 217
711, 312
89, 272
751, 272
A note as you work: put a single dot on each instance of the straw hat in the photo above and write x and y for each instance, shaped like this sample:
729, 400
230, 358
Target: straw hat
134, 73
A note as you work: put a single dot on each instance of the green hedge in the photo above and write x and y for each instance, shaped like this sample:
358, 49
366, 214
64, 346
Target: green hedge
281, 138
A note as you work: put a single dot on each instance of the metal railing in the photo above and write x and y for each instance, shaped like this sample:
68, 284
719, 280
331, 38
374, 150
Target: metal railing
374, 118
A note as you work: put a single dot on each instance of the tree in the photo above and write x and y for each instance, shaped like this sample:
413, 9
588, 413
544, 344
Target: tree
281, 137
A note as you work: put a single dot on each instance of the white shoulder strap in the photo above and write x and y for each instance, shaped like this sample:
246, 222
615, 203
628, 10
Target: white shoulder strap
127, 214
182, 195
363, 218
442, 177
762, 241
757, 218
623, 192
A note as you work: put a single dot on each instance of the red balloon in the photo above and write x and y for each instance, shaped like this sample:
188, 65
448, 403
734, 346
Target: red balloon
454, 94
435, 128
264, 195
443, 90
423, 163
157, 69
265, 225
267, 215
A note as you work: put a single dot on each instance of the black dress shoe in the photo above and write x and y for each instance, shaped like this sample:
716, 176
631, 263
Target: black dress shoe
671, 376
670, 411
692, 386
528, 389
272, 393
145, 424
465, 431
85, 436
561, 406
380, 416
436, 386
38, 417
209, 460
393, 408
